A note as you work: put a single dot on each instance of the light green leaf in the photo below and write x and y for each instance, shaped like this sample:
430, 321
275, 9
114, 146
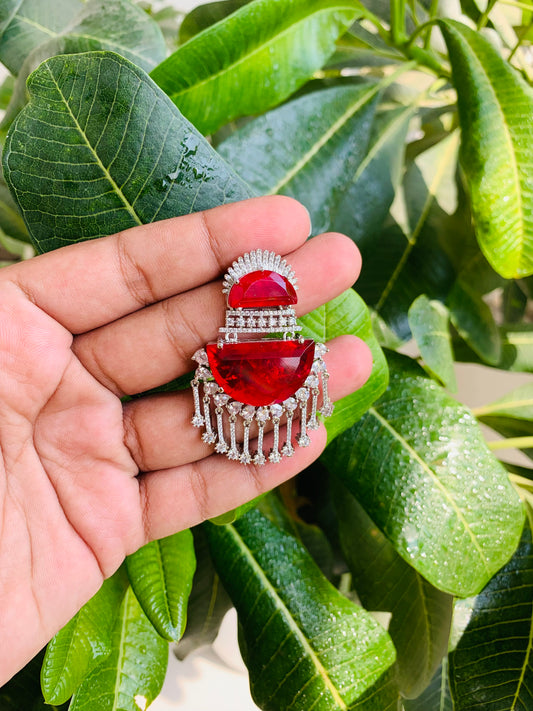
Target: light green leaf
208, 602
475, 322
512, 415
133, 673
517, 347
437, 696
83, 643
495, 107
120, 140
205, 15
429, 323
305, 645
253, 59
318, 139
421, 614
161, 575
348, 314
492, 665
419, 466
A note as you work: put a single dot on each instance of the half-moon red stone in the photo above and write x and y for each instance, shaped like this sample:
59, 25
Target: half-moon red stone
260, 289
261, 372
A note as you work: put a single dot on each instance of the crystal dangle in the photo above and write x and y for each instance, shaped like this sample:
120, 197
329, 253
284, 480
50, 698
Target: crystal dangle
260, 371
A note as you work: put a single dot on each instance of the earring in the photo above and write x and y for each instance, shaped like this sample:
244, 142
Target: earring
259, 369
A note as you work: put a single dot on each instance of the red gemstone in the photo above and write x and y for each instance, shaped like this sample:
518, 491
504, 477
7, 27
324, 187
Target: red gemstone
261, 372
262, 288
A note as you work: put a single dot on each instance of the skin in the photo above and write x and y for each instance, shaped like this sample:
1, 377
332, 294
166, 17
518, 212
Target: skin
84, 480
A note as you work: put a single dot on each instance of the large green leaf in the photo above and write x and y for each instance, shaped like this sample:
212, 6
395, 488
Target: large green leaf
205, 15
317, 139
132, 675
436, 696
208, 602
127, 155
83, 643
421, 614
429, 323
418, 464
492, 665
305, 645
161, 575
495, 107
253, 59
348, 314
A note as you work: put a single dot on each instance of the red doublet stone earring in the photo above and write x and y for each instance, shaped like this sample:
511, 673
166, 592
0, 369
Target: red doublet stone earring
259, 369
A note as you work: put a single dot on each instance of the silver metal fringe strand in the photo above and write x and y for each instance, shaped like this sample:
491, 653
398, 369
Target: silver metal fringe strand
218, 414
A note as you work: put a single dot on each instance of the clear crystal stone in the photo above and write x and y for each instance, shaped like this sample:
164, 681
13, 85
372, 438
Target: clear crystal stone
221, 447
303, 440
276, 410
262, 414
210, 388
321, 349
302, 394
248, 412
274, 456
260, 459
200, 356
287, 450
290, 404
202, 373
233, 454
234, 407
326, 410
311, 381
221, 399
197, 421
261, 322
246, 458
209, 437
313, 424
318, 366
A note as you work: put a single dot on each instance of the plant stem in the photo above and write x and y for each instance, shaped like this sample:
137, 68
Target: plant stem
511, 443
517, 4
485, 16
423, 56
398, 22
521, 481
432, 14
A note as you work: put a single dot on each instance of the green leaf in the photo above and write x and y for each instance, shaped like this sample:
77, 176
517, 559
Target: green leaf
317, 139
429, 323
203, 16
419, 466
511, 415
127, 155
437, 696
132, 675
245, 71
495, 106
517, 347
366, 203
491, 667
83, 643
208, 602
421, 614
348, 314
161, 575
305, 645
474, 322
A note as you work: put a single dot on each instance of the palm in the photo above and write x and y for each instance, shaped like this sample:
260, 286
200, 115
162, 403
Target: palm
86, 480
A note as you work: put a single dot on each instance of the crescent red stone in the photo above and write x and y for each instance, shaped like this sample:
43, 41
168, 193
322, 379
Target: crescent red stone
263, 288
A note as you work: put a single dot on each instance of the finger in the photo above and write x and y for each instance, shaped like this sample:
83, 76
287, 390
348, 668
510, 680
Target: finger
158, 429
185, 496
92, 283
154, 345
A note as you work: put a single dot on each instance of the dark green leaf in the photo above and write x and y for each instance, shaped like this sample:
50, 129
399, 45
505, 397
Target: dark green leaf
127, 155
421, 614
495, 106
474, 322
6, 91
161, 575
348, 314
83, 643
436, 697
11, 221
203, 16
429, 323
514, 302
305, 645
318, 139
133, 674
208, 602
491, 667
421, 469
244, 71
517, 347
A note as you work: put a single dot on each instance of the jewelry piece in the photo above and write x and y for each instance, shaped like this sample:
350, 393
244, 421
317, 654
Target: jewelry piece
259, 369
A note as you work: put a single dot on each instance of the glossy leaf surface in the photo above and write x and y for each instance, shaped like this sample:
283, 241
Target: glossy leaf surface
133, 674
495, 107
421, 469
436, 696
203, 16
348, 314
161, 575
127, 155
83, 643
319, 138
253, 59
305, 644
492, 665
475, 322
421, 614
429, 323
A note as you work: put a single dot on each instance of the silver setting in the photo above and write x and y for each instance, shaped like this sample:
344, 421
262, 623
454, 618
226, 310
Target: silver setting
259, 259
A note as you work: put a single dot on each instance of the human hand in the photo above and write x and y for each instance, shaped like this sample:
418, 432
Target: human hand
84, 480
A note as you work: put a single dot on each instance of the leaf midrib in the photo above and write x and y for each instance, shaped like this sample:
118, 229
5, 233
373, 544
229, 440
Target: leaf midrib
321, 671
96, 157
256, 50
516, 696
121, 648
414, 454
